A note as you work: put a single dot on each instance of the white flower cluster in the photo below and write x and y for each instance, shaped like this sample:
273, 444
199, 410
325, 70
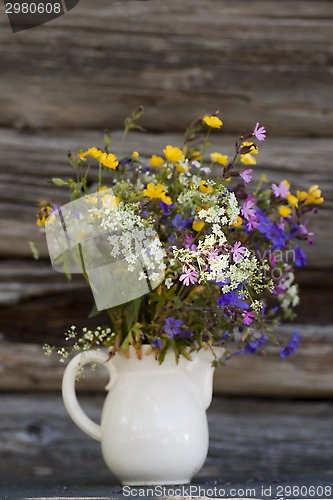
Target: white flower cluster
290, 297
233, 274
215, 263
132, 239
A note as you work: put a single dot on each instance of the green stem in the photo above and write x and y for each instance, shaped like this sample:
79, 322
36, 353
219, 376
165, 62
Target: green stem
82, 264
99, 176
122, 142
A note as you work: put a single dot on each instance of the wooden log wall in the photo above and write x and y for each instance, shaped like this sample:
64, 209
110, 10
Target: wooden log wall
62, 83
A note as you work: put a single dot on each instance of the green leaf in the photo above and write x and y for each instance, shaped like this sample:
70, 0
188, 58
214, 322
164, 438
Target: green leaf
34, 250
59, 182
94, 311
131, 312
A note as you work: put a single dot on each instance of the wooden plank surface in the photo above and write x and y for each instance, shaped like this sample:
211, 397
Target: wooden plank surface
308, 374
271, 62
250, 440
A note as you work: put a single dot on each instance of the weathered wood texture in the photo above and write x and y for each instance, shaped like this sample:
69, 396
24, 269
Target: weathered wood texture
308, 374
271, 62
250, 440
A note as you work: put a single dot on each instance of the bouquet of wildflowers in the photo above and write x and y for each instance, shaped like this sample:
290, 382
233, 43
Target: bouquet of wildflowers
220, 272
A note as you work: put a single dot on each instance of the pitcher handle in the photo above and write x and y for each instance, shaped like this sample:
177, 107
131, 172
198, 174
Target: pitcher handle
69, 394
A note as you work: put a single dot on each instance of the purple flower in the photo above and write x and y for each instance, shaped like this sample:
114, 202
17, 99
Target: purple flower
172, 326
238, 251
290, 348
304, 233
55, 208
246, 175
259, 132
251, 347
300, 258
281, 190
248, 317
156, 342
252, 224
178, 222
166, 209
189, 276
247, 209
189, 240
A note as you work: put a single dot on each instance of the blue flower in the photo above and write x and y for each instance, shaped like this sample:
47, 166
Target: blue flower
239, 351
172, 326
300, 258
186, 334
178, 222
290, 348
232, 299
272, 231
251, 347
293, 231
166, 209
156, 342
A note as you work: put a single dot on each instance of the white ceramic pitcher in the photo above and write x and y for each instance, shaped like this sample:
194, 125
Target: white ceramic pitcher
154, 427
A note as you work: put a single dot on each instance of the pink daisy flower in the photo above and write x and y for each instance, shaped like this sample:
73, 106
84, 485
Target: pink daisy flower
190, 276
247, 209
238, 251
248, 317
281, 190
246, 175
259, 132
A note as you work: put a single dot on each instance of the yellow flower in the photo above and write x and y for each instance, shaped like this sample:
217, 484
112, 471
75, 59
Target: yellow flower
173, 154
157, 191
135, 155
203, 188
212, 121
253, 148
103, 188
110, 201
314, 196
284, 211
238, 222
109, 160
93, 152
218, 158
292, 200
156, 161
228, 179
167, 200
301, 195
91, 200
248, 159
182, 168
196, 155
198, 225
43, 213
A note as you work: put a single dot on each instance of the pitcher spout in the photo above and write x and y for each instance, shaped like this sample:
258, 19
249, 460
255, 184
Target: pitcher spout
200, 372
